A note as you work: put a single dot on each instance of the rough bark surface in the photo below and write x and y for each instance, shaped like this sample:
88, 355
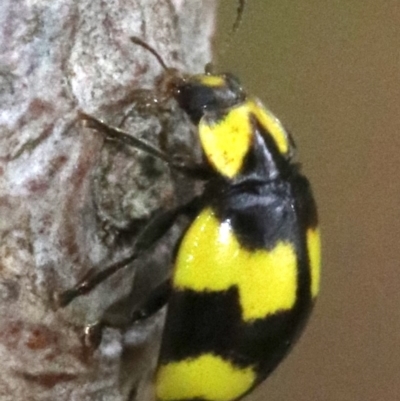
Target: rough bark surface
70, 202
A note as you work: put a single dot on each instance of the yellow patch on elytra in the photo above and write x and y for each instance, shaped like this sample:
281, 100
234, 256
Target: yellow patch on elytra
314, 254
271, 124
210, 258
227, 141
185, 379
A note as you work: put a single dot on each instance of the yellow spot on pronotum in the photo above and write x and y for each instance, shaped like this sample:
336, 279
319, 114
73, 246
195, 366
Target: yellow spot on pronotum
271, 124
227, 141
314, 252
210, 258
213, 81
184, 380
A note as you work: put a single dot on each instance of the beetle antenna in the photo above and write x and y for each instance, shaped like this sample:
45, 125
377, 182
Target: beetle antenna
145, 45
239, 15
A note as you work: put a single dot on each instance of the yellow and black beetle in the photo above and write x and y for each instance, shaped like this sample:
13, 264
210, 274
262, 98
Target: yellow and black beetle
246, 271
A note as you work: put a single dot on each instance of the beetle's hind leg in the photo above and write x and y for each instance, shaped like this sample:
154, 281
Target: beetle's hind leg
155, 301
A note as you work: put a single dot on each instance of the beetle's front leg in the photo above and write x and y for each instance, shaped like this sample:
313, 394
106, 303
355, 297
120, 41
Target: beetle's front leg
118, 135
197, 171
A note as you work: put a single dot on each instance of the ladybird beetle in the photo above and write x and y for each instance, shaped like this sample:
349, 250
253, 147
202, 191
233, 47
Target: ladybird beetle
247, 268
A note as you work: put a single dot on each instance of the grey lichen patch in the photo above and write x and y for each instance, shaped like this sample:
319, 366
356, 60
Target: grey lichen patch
129, 185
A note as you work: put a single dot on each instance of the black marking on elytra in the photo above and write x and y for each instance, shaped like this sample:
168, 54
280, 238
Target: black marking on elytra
260, 215
264, 159
210, 322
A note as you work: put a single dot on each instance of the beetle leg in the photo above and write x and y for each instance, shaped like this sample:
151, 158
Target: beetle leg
192, 170
118, 135
151, 233
156, 300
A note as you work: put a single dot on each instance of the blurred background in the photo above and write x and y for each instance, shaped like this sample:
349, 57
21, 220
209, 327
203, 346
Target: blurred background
330, 70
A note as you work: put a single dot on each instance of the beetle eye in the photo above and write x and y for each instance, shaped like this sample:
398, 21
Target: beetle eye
195, 98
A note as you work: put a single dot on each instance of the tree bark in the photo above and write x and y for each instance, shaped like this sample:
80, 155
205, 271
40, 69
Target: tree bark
70, 202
